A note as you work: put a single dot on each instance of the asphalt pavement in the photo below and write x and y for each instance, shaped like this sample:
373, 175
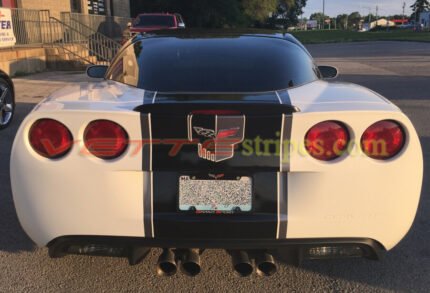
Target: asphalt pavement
398, 70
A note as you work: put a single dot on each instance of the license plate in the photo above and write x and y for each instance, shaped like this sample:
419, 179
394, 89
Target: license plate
215, 195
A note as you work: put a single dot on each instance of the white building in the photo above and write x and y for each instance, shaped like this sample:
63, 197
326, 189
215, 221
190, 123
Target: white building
382, 22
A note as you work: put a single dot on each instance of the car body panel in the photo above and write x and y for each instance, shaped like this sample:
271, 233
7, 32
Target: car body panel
80, 195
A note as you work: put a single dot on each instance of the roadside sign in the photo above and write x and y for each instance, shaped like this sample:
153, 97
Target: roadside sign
7, 37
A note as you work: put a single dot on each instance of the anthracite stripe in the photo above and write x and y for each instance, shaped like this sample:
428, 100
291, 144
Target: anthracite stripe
285, 97
283, 205
147, 182
148, 97
286, 141
147, 217
146, 147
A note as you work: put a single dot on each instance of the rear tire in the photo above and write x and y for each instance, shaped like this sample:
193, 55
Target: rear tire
7, 104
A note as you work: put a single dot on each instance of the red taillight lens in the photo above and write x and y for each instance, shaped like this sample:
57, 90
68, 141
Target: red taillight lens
383, 140
327, 140
50, 138
105, 139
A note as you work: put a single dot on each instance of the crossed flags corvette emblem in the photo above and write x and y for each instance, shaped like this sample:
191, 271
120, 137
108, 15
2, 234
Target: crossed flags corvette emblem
217, 135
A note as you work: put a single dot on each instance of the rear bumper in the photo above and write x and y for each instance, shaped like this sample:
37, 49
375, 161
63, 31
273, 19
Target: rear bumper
291, 251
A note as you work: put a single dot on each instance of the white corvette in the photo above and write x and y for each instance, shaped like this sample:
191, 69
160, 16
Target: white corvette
221, 140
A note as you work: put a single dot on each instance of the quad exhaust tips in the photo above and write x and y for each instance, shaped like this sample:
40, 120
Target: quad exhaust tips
266, 266
190, 263
241, 263
167, 265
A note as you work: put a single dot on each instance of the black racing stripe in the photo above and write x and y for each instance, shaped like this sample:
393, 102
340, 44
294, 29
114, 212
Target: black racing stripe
148, 97
260, 223
283, 205
269, 97
285, 97
147, 204
286, 140
146, 168
146, 137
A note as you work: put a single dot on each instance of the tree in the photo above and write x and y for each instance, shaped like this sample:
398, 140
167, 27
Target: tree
354, 20
418, 7
225, 13
342, 21
259, 10
319, 17
288, 12
369, 18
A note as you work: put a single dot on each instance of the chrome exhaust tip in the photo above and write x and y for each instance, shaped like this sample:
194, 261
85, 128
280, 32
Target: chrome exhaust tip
241, 263
167, 263
191, 263
266, 265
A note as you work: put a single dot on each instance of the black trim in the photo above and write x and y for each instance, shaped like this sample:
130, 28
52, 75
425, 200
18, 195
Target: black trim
146, 136
283, 205
147, 203
147, 183
285, 97
260, 223
292, 248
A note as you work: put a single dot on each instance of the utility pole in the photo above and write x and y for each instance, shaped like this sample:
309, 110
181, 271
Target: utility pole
323, 7
377, 11
403, 15
323, 14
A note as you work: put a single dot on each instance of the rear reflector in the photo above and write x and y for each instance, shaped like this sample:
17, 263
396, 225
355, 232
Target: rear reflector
105, 139
50, 138
383, 140
327, 140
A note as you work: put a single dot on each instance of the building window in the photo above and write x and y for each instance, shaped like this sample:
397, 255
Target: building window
76, 6
8, 3
97, 7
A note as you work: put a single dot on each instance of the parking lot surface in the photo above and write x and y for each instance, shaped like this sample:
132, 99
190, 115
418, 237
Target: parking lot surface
398, 70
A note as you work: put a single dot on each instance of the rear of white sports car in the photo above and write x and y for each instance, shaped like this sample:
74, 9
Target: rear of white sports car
274, 164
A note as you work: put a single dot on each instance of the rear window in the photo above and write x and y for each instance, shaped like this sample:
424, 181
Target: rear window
155, 20
237, 64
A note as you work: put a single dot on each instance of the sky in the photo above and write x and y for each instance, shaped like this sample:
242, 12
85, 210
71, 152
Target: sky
336, 7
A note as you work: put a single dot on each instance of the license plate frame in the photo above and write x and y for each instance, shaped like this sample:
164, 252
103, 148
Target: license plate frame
215, 196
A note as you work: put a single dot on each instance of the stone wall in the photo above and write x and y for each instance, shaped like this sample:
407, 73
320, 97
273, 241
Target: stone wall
121, 8
54, 6
22, 61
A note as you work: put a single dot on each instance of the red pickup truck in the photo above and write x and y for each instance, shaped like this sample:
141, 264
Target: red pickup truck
147, 22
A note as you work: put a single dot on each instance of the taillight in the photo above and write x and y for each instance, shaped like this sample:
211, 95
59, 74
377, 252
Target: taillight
105, 139
383, 140
327, 140
50, 138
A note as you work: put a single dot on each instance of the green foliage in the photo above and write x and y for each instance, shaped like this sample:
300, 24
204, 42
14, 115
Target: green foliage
354, 20
259, 10
342, 21
287, 13
420, 6
226, 13
341, 36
